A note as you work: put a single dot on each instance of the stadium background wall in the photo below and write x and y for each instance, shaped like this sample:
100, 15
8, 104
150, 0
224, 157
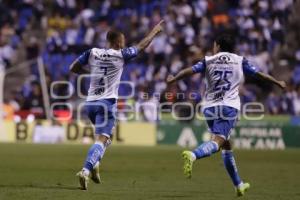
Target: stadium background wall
245, 136
127, 133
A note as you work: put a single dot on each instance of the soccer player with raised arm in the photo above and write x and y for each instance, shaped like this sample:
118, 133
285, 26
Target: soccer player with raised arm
224, 72
105, 70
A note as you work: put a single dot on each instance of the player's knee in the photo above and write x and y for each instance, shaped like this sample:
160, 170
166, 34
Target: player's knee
103, 138
226, 145
219, 140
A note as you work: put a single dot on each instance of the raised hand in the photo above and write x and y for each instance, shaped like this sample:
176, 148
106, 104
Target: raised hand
159, 27
170, 79
282, 84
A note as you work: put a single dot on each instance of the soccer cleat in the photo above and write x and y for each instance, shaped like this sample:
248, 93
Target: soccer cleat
240, 191
83, 180
95, 175
187, 163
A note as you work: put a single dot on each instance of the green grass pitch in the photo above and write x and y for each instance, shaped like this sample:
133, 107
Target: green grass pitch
32, 172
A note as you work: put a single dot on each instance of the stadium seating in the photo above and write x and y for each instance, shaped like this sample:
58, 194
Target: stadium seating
67, 28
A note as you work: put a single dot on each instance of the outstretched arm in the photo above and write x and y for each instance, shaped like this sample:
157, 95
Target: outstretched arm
197, 68
251, 70
182, 74
271, 79
148, 39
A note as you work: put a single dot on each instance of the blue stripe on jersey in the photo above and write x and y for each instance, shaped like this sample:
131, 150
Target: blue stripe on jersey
84, 58
129, 52
199, 67
248, 68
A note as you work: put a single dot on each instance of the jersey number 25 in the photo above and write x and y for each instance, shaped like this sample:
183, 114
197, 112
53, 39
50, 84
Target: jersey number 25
222, 82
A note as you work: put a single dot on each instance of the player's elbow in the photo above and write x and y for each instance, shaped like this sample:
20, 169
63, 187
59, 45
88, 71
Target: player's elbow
140, 47
74, 67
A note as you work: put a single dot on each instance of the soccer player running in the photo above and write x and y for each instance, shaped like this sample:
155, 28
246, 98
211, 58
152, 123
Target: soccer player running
224, 72
105, 70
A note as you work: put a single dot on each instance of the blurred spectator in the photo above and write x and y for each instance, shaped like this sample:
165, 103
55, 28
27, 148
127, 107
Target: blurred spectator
296, 74
296, 102
287, 103
273, 104
34, 101
247, 95
8, 110
70, 27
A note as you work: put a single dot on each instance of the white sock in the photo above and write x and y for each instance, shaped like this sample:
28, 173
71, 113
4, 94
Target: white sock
85, 171
240, 185
193, 156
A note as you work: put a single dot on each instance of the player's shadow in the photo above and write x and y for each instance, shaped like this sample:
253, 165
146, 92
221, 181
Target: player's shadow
48, 187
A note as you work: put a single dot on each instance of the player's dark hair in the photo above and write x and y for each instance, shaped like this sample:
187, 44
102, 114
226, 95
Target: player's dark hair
113, 36
226, 42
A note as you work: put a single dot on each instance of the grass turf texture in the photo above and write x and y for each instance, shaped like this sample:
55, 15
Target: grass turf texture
30, 171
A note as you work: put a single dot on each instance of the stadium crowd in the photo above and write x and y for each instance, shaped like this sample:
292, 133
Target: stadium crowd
69, 27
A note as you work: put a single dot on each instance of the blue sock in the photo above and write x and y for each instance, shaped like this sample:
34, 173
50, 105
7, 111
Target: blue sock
94, 155
206, 149
230, 166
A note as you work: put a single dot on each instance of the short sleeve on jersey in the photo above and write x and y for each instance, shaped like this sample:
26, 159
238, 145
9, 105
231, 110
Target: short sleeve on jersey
129, 53
199, 67
84, 58
248, 68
